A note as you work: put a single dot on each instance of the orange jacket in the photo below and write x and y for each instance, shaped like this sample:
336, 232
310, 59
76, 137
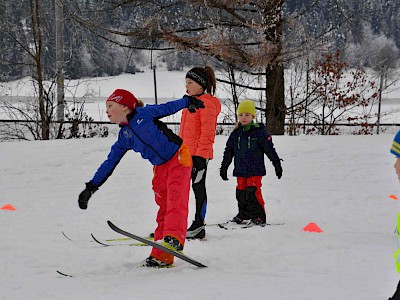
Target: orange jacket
198, 129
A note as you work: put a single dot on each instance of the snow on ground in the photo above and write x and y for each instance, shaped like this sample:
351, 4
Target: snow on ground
341, 183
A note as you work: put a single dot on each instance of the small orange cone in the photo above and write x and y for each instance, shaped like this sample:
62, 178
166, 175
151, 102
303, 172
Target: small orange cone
8, 207
394, 197
312, 227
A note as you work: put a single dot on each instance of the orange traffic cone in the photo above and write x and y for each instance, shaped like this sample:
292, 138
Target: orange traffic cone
394, 197
8, 207
312, 227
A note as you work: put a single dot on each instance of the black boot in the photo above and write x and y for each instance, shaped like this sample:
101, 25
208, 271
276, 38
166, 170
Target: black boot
257, 212
196, 230
244, 212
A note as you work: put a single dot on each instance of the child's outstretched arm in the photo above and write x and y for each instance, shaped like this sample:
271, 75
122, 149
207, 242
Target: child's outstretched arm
103, 172
171, 107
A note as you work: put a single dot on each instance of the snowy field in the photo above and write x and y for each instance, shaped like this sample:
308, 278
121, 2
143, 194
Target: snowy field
341, 183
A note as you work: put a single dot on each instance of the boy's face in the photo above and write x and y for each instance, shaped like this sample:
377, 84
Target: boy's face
193, 88
116, 112
245, 118
397, 167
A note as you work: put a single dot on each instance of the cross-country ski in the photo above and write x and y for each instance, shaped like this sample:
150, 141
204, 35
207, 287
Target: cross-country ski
157, 245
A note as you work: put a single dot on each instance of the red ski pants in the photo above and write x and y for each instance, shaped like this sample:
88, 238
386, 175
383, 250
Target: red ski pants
171, 186
244, 182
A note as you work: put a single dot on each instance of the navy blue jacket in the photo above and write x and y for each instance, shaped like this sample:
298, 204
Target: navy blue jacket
248, 148
145, 134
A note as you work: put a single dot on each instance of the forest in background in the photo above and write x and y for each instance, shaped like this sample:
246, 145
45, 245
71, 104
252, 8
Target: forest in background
364, 30
328, 45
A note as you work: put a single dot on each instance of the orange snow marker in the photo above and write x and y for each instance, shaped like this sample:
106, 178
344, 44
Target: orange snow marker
8, 207
312, 227
394, 197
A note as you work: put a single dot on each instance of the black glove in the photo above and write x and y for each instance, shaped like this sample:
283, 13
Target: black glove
199, 163
194, 103
278, 168
223, 172
85, 195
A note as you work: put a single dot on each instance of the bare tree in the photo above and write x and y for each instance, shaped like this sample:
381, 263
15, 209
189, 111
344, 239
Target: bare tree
335, 94
25, 117
241, 36
245, 35
36, 54
28, 36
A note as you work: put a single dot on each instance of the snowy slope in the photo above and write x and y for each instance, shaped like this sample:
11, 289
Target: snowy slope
341, 183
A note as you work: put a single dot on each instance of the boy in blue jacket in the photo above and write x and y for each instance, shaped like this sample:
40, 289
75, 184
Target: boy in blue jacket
143, 132
247, 144
395, 149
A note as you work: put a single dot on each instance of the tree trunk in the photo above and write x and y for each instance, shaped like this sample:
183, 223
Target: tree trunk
275, 109
275, 93
37, 37
60, 59
235, 99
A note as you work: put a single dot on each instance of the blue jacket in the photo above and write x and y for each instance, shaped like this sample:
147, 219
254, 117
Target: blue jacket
248, 148
145, 134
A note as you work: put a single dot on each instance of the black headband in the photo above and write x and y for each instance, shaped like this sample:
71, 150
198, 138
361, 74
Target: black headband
198, 76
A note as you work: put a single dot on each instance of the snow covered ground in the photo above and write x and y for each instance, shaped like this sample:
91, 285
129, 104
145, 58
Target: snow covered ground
341, 183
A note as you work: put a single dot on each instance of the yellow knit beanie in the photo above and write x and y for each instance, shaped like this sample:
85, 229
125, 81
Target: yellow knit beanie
247, 106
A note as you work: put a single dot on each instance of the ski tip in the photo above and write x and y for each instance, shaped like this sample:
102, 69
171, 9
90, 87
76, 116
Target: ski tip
97, 241
110, 224
63, 233
63, 274
222, 226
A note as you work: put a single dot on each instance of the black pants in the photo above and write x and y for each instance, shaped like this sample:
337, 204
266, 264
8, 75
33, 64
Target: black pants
199, 188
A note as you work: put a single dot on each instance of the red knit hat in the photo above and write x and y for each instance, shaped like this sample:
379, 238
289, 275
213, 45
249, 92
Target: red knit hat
124, 97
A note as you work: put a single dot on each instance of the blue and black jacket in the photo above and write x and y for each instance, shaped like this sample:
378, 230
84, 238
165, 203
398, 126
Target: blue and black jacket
247, 145
145, 134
